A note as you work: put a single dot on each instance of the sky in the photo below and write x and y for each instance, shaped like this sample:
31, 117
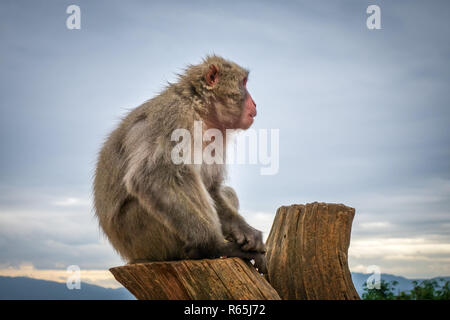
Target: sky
362, 116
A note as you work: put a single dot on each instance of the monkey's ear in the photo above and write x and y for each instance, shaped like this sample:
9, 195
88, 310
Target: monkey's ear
212, 76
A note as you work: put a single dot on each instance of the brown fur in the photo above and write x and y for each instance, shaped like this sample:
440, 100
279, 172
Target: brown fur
151, 209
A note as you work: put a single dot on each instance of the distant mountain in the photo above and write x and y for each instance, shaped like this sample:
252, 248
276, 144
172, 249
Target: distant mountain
20, 288
404, 284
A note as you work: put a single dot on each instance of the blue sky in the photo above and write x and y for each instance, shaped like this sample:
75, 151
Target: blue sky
363, 117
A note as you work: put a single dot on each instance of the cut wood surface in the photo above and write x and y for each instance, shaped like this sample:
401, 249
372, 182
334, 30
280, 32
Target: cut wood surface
207, 279
307, 252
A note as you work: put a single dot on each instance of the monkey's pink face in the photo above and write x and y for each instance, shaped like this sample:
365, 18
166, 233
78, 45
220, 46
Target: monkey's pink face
249, 110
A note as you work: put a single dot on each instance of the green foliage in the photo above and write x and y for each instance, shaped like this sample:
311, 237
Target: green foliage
444, 292
423, 290
385, 292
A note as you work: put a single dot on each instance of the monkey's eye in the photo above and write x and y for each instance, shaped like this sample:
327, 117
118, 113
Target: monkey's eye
244, 81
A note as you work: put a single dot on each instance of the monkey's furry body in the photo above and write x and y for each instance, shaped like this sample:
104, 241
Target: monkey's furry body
152, 209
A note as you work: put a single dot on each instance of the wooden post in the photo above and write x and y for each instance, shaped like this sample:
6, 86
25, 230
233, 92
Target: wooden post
207, 279
307, 252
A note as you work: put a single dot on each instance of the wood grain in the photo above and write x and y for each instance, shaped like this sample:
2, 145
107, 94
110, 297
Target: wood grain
307, 252
207, 279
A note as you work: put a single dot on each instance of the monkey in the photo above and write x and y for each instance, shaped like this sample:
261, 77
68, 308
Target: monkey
152, 209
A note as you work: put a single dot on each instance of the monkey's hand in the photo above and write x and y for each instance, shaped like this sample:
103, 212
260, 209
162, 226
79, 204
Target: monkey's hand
246, 236
226, 249
232, 249
260, 262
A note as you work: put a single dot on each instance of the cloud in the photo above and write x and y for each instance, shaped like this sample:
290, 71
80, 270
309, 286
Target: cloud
54, 233
98, 277
363, 117
399, 247
71, 202
375, 225
410, 257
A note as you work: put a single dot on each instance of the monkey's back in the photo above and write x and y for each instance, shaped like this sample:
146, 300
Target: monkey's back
134, 232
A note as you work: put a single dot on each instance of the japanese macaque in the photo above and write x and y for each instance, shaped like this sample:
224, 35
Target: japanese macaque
152, 209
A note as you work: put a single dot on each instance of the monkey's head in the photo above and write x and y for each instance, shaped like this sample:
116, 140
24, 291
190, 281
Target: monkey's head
222, 84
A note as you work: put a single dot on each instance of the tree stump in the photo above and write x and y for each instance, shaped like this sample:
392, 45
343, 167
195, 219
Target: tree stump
307, 252
207, 279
